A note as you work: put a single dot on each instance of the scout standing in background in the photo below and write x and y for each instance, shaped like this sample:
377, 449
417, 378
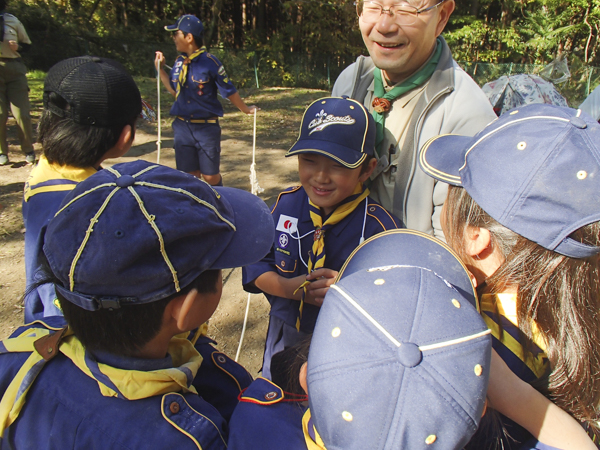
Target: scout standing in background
193, 81
14, 91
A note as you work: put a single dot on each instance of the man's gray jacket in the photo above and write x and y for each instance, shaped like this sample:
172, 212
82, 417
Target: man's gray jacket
452, 103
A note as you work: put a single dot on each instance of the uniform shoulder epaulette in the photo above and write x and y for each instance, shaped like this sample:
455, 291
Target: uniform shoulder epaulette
380, 214
289, 190
231, 368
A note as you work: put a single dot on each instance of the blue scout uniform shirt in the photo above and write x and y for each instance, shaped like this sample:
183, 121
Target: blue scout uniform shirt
45, 189
294, 225
198, 96
267, 419
65, 407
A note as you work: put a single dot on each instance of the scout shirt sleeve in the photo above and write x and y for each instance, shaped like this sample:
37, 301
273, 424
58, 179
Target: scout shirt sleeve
22, 35
379, 219
174, 74
218, 73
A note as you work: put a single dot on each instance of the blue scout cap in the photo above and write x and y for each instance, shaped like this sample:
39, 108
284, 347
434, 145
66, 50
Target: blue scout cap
399, 357
535, 170
187, 24
340, 128
138, 232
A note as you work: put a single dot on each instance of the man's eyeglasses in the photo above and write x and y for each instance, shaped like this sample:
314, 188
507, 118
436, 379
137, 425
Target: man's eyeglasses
403, 13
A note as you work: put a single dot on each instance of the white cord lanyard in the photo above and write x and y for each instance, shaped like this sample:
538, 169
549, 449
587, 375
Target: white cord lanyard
299, 238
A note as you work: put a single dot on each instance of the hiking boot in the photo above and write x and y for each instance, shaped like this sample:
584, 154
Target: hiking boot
3, 160
30, 158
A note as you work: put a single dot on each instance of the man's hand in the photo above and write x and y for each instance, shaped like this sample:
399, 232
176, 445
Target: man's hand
14, 45
315, 291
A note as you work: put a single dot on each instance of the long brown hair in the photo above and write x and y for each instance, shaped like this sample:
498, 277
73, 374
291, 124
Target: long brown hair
560, 294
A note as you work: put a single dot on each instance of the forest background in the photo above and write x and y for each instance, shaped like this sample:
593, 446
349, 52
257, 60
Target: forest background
306, 43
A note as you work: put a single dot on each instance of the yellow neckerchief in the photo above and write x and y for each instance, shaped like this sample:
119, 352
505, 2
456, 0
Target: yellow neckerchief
131, 384
505, 304
312, 444
316, 257
46, 177
183, 73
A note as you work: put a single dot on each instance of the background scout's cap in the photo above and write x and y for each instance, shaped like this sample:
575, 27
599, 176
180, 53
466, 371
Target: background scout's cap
138, 232
399, 358
98, 91
536, 170
340, 128
187, 24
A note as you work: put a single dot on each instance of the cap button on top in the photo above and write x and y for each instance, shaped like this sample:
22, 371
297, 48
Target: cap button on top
409, 354
578, 122
125, 181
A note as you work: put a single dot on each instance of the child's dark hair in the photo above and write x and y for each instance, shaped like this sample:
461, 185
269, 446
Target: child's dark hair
198, 40
66, 142
286, 365
558, 293
124, 331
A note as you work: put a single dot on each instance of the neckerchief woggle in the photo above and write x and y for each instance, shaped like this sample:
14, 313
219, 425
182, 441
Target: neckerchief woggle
113, 382
410, 83
183, 72
316, 256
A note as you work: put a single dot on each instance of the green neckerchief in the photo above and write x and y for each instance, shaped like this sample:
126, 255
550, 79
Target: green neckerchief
412, 82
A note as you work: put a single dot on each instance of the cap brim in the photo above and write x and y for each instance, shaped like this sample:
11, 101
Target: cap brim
414, 249
173, 27
343, 155
442, 157
255, 230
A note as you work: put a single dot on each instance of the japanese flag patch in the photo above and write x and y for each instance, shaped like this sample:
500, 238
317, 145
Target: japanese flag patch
287, 224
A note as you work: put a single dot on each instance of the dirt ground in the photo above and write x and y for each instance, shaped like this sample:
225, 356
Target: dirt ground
277, 124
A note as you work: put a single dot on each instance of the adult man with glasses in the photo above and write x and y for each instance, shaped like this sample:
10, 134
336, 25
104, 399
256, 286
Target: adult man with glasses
415, 91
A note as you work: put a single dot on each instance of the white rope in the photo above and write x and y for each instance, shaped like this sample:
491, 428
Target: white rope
158, 141
255, 189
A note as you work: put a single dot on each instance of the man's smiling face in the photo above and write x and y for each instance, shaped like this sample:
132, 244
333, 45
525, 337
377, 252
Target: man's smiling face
400, 50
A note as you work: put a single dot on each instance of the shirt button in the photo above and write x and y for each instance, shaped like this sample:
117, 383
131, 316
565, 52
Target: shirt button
174, 407
270, 395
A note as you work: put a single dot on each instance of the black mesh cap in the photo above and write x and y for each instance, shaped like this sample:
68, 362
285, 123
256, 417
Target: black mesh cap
98, 91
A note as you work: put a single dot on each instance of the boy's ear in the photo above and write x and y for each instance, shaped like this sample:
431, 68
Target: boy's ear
367, 173
182, 307
477, 241
122, 145
302, 376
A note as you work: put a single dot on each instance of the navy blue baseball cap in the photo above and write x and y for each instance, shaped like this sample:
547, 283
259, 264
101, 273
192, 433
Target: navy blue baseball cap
139, 232
535, 170
400, 357
339, 128
187, 24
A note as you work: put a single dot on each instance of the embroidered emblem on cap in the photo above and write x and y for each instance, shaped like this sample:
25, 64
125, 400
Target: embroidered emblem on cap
323, 120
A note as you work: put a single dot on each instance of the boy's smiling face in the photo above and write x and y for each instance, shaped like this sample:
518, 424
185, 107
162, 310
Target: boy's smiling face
326, 182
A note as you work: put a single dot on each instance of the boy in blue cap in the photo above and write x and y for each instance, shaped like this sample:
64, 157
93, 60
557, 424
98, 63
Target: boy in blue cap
194, 80
91, 106
135, 253
327, 216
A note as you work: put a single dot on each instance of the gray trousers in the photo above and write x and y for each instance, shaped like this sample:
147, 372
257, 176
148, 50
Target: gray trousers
14, 94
